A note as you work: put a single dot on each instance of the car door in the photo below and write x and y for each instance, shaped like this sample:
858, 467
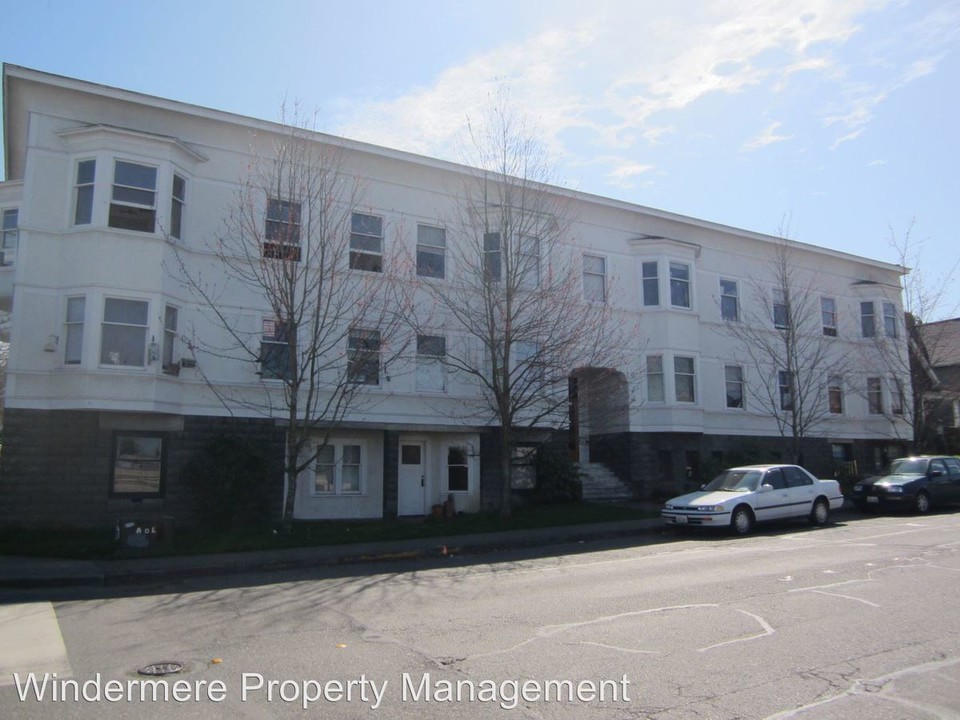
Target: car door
775, 503
802, 491
938, 481
953, 466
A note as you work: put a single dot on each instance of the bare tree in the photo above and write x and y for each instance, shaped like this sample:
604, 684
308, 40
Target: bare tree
924, 302
327, 330
784, 343
516, 297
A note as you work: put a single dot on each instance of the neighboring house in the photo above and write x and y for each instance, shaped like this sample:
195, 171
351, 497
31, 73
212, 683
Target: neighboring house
106, 401
939, 385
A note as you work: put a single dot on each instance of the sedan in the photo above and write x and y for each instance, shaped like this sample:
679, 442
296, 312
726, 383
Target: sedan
912, 483
740, 497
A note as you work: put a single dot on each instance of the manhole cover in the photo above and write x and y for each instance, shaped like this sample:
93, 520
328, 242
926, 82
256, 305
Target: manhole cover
166, 667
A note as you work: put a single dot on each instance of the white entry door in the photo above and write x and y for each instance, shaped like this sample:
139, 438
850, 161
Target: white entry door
412, 480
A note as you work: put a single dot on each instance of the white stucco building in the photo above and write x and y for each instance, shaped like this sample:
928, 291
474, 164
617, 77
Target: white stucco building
108, 193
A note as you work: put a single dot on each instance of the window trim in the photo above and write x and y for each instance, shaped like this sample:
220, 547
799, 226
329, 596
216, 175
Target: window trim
466, 465
676, 283
780, 309
169, 346
661, 374
80, 192
650, 281
868, 320
828, 317
740, 382
114, 202
357, 254
282, 343
785, 385
875, 395
425, 247
145, 327
600, 274
424, 360
835, 392
161, 481
356, 362
178, 205
677, 375
74, 328
282, 229
493, 256
338, 444
890, 320
726, 295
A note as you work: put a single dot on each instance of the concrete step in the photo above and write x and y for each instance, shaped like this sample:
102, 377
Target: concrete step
600, 484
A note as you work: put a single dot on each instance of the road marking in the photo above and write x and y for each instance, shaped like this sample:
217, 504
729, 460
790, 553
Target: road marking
30, 641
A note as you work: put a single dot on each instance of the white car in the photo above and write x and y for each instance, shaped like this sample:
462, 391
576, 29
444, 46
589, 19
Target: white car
739, 498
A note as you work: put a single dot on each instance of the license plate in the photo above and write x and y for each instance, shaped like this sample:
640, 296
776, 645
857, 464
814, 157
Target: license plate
681, 519
873, 499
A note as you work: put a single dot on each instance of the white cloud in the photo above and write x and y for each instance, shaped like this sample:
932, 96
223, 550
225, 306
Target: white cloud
767, 137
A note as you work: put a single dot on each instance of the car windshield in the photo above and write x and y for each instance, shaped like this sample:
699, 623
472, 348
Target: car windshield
908, 466
735, 480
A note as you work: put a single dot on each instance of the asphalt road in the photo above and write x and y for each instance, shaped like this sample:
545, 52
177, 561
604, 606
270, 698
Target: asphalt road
856, 620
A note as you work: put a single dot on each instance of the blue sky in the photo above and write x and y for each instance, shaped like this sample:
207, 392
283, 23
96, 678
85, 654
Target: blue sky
839, 116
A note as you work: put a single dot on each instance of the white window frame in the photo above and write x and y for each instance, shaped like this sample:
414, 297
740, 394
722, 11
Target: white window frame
148, 208
145, 327
828, 315
678, 375
178, 202
875, 396
73, 327
780, 309
10, 236
282, 229
681, 283
366, 246
594, 271
171, 315
737, 382
868, 320
431, 375
493, 256
431, 247
84, 190
835, 392
898, 397
273, 340
529, 261
466, 465
338, 446
356, 349
651, 282
785, 386
729, 295
656, 380
890, 320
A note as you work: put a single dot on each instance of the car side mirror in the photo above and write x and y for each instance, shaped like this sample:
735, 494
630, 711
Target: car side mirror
766, 487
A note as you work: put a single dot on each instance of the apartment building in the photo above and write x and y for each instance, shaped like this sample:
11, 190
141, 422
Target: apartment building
113, 204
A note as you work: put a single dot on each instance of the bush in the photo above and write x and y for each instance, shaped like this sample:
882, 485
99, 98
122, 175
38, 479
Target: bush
229, 483
558, 477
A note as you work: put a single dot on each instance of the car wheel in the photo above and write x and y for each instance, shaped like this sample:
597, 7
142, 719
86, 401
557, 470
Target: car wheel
820, 513
741, 522
921, 503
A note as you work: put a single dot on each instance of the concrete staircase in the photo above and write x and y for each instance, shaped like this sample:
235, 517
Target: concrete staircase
601, 485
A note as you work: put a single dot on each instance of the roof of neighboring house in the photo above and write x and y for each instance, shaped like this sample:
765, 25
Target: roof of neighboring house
942, 342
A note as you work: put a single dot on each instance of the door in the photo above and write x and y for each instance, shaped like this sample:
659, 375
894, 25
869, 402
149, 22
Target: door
775, 502
411, 480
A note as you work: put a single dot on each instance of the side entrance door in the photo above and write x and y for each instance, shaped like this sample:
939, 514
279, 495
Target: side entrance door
411, 480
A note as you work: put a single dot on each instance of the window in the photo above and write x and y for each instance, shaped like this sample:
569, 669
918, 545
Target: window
458, 474
896, 396
890, 319
651, 284
338, 469
733, 374
275, 350
781, 309
491, 256
655, 391
83, 192
729, 300
835, 394
282, 230
363, 357
679, 285
138, 465
874, 396
431, 349
828, 316
123, 338
775, 479
523, 473
11, 233
785, 383
73, 331
868, 325
366, 242
168, 362
178, 198
529, 268
595, 278
133, 204
684, 379
528, 360
797, 477
431, 251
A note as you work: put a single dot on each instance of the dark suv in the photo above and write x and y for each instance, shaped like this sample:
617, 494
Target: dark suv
917, 483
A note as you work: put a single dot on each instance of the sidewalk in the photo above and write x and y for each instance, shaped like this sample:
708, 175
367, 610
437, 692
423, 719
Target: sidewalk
24, 572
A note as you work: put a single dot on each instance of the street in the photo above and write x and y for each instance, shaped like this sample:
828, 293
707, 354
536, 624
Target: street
855, 620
